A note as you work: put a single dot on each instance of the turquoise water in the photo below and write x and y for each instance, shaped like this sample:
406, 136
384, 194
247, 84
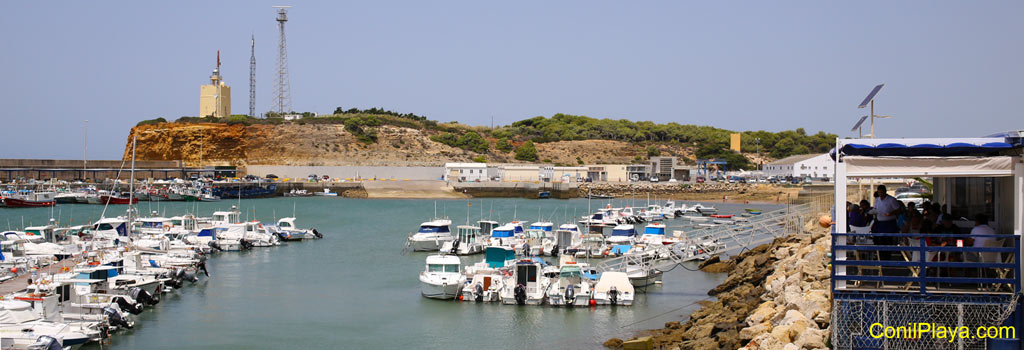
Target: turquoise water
354, 289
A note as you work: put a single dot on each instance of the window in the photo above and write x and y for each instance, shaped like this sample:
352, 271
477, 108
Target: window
971, 196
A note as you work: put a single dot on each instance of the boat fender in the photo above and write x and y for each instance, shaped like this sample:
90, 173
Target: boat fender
570, 294
520, 294
479, 292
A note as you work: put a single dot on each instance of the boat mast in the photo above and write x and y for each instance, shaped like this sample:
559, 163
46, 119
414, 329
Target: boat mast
131, 183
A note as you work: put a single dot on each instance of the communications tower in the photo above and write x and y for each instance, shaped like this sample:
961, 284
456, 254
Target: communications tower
282, 91
252, 79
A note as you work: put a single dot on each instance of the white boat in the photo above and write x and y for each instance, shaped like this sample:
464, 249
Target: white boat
484, 287
469, 241
230, 237
613, 288
590, 246
698, 218
297, 193
622, 234
326, 193
442, 278
209, 197
289, 232
704, 209
24, 326
503, 235
641, 277
570, 289
527, 284
654, 234
431, 236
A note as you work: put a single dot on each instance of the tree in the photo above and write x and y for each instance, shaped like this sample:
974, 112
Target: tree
653, 151
527, 152
480, 159
471, 141
503, 145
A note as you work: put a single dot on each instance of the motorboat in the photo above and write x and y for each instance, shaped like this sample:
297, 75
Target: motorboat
704, 210
231, 238
622, 234
564, 239
592, 245
431, 236
25, 327
109, 229
527, 284
118, 198
468, 241
486, 226
258, 236
504, 235
613, 288
570, 289
654, 234
484, 287
643, 274
297, 193
326, 193
289, 232
442, 278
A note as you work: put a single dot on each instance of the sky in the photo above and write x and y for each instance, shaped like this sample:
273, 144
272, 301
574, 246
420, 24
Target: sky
950, 68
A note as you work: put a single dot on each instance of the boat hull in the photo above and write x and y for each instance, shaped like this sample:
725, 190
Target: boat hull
116, 200
440, 291
428, 244
21, 203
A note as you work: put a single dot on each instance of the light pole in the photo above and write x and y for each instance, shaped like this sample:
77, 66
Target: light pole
757, 141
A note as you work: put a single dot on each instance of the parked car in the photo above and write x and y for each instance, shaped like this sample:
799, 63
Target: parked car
271, 176
654, 179
700, 179
910, 197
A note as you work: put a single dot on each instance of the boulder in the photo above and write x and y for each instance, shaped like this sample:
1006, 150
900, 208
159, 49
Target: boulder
642, 343
811, 339
613, 343
755, 330
764, 312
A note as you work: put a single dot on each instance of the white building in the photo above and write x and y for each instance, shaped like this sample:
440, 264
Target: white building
816, 166
465, 172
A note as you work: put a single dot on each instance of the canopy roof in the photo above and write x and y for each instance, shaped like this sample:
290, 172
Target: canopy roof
963, 157
927, 147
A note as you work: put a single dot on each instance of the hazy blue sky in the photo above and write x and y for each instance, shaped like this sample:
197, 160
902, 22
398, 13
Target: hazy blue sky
951, 68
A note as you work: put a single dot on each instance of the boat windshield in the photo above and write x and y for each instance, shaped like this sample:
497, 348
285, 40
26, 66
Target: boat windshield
151, 224
434, 229
626, 233
104, 227
453, 268
501, 233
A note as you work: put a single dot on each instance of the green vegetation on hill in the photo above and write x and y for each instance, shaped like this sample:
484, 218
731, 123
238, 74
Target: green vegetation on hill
708, 142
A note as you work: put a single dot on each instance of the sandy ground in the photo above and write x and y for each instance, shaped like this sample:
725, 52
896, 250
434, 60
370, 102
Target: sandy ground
410, 189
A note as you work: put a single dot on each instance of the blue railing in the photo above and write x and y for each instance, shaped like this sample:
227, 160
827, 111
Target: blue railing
909, 263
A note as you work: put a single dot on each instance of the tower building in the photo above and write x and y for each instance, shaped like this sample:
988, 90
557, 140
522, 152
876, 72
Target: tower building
215, 98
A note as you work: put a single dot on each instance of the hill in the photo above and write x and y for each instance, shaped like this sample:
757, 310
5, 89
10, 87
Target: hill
379, 137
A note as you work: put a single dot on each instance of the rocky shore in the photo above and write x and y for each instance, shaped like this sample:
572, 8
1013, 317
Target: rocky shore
776, 297
696, 191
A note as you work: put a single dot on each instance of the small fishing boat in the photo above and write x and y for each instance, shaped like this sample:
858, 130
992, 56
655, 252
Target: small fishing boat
442, 278
654, 233
484, 287
753, 211
622, 234
613, 288
543, 195
527, 284
570, 288
117, 198
30, 199
468, 241
326, 193
721, 216
297, 193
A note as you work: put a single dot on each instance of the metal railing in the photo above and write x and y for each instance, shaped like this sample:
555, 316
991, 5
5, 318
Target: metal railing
925, 263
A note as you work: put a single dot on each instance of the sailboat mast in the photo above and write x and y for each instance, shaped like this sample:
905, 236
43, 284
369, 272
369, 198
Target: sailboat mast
131, 183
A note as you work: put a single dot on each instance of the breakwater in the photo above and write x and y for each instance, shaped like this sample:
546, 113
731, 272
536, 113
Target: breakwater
776, 297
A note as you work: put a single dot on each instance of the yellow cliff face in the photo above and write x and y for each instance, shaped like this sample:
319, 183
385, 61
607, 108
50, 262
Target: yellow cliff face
210, 144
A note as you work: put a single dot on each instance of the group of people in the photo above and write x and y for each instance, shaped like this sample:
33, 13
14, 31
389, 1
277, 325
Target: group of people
893, 216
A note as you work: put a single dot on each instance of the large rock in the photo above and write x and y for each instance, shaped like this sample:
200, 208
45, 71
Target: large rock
764, 312
755, 330
811, 339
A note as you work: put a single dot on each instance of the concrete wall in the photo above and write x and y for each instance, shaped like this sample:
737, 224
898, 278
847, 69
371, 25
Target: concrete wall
343, 172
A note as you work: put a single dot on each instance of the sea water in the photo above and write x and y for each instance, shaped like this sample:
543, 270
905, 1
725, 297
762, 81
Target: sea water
354, 289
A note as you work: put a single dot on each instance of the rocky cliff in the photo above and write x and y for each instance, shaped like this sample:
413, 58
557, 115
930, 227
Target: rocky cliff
330, 144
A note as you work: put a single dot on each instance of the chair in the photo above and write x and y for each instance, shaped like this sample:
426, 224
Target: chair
912, 257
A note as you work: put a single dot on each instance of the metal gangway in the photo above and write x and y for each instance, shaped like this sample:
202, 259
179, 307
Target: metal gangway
706, 242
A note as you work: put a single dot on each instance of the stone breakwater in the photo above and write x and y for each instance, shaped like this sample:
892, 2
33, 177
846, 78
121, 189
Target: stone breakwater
776, 297
697, 191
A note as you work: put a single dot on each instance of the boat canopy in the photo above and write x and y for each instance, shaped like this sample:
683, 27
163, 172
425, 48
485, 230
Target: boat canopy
654, 230
504, 231
499, 256
616, 279
544, 226
624, 231
15, 312
570, 271
621, 249
569, 227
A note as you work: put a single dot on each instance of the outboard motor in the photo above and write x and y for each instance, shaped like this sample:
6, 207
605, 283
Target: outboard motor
317, 234
479, 292
246, 244
520, 294
613, 294
157, 293
526, 249
134, 309
570, 294
214, 245
141, 296
114, 318
202, 267
45, 342
189, 276
455, 246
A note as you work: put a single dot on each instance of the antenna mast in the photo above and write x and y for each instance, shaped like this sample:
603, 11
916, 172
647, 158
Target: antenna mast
282, 91
252, 79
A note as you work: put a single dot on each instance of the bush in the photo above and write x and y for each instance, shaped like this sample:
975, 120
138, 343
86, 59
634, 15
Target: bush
527, 152
653, 151
152, 121
470, 141
238, 120
503, 145
480, 159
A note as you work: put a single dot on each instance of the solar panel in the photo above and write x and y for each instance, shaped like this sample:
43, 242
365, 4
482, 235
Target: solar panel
859, 122
871, 96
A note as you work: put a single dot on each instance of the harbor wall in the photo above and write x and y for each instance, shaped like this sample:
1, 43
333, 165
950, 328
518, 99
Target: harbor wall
73, 169
349, 172
516, 189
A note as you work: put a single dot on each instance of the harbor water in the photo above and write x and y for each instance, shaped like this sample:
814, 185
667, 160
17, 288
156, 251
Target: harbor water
354, 288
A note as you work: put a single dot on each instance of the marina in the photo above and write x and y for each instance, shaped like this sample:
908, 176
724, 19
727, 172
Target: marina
349, 252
